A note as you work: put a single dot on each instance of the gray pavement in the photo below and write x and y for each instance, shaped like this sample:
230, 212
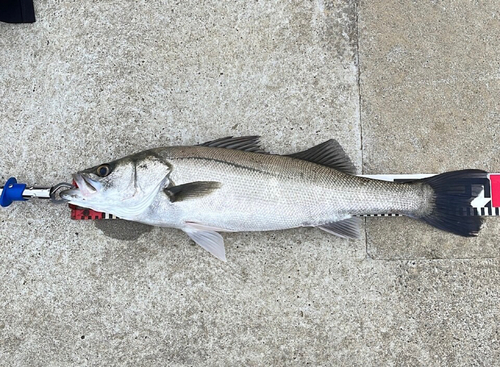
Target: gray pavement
404, 86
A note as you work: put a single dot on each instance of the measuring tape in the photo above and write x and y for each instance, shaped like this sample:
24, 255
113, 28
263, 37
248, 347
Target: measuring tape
79, 213
485, 193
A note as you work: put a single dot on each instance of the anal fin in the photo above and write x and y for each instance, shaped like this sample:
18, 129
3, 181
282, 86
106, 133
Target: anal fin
347, 228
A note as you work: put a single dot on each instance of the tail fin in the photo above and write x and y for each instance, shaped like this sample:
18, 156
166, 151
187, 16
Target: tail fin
451, 196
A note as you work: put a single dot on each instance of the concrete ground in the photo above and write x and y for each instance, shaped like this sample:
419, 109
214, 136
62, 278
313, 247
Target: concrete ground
405, 86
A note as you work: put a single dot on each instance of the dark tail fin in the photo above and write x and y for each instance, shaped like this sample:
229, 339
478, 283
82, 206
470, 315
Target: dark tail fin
454, 191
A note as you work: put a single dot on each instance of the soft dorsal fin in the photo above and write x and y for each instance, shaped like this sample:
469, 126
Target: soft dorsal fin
246, 143
347, 228
330, 154
191, 190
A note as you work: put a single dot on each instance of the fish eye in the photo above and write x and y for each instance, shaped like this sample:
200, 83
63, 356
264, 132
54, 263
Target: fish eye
103, 170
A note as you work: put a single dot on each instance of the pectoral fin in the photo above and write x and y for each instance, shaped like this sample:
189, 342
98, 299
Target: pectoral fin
191, 190
209, 240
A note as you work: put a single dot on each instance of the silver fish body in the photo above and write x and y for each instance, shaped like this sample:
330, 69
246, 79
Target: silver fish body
261, 192
231, 185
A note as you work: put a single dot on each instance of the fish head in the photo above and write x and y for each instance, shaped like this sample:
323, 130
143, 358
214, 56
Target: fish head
125, 187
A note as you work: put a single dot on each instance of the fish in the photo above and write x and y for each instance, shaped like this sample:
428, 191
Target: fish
233, 185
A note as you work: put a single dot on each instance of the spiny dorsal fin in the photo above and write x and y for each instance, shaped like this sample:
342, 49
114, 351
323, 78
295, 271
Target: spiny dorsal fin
347, 228
191, 190
330, 154
246, 143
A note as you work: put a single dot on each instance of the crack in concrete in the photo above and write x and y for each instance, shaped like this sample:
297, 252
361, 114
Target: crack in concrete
358, 80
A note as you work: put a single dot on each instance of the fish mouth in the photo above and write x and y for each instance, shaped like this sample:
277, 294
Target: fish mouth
84, 187
84, 184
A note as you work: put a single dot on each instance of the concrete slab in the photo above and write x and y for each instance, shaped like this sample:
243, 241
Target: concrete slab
429, 92
90, 82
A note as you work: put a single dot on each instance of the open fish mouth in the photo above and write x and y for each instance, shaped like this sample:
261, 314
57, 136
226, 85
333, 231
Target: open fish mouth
83, 187
84, 184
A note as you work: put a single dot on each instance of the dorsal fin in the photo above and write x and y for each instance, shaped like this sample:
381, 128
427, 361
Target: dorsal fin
246, 143
330, 154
